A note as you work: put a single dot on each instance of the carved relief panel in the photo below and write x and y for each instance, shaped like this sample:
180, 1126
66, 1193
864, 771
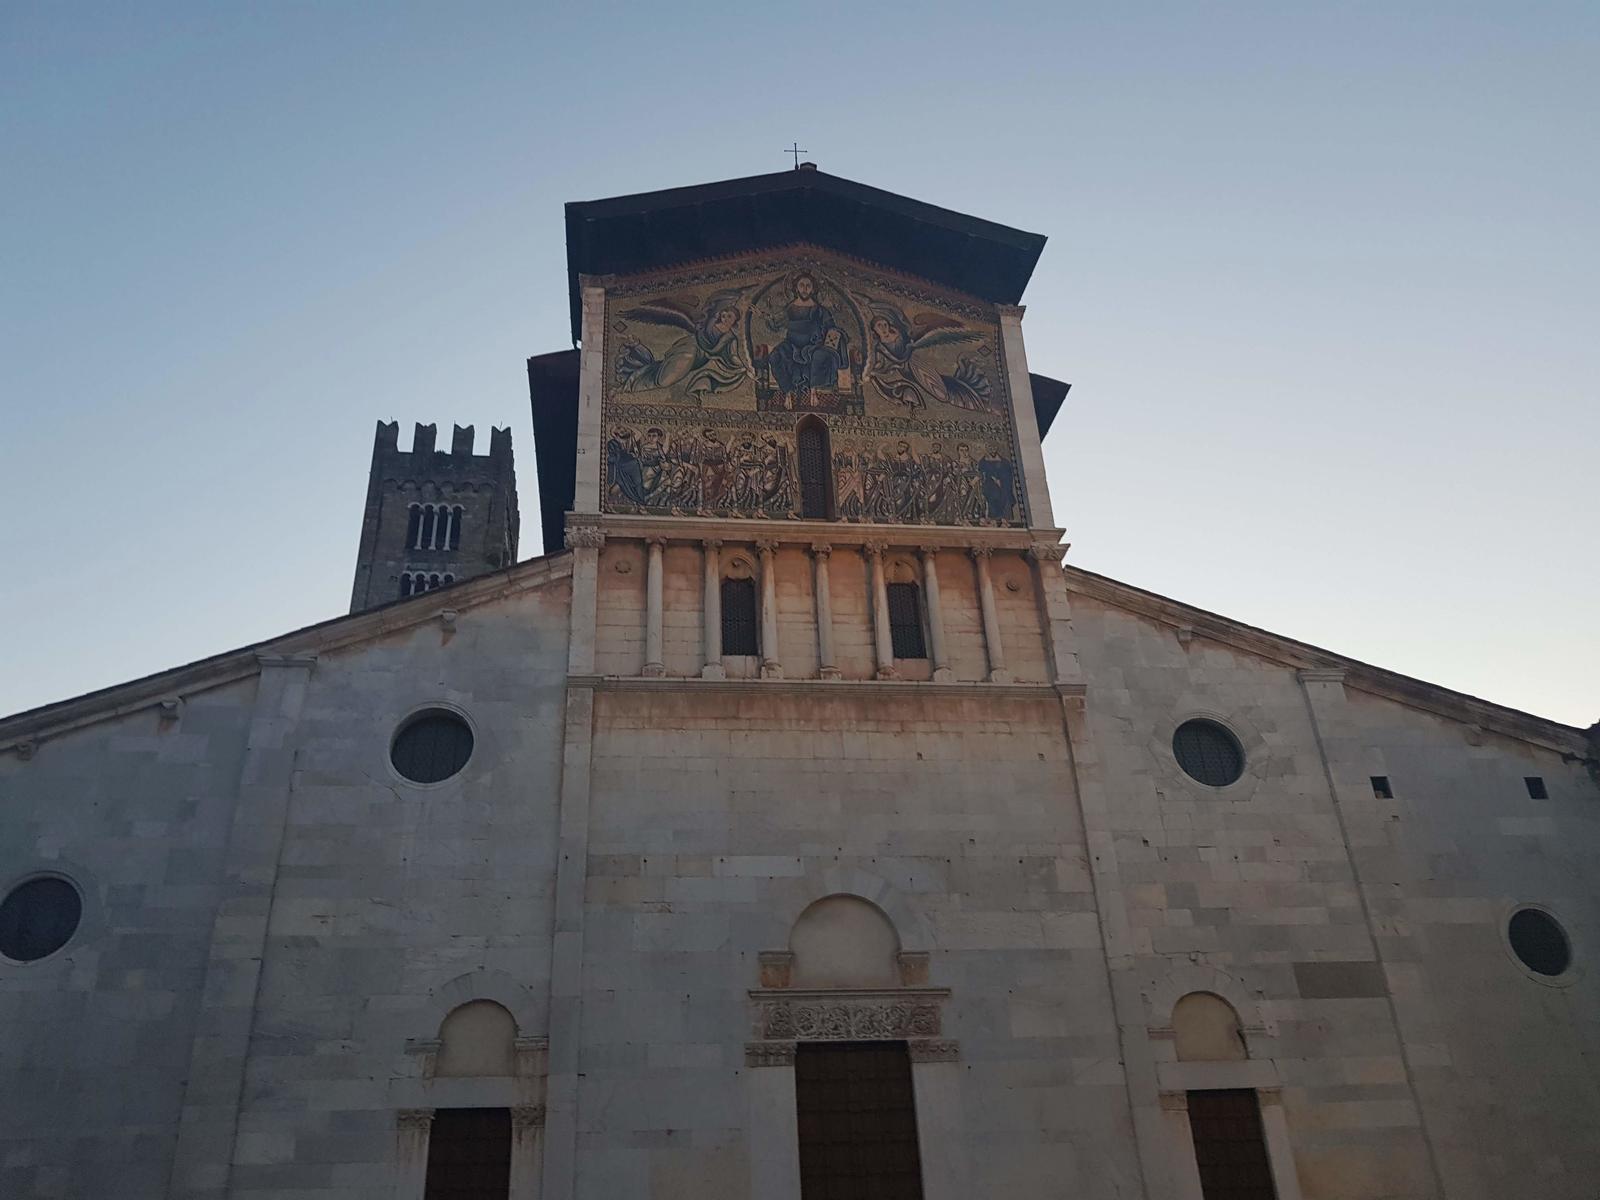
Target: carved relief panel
709, 373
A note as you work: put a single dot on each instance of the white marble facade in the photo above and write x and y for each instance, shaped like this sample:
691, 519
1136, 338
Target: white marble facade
663, 867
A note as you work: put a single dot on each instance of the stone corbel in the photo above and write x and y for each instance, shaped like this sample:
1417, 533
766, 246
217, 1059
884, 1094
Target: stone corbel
585, 537
170, 709
929, 1050
769, 1054
777, 968
414, 1120
1048, 551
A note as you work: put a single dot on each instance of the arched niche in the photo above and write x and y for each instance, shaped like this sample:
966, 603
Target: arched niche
477, 1038
843, 941
1205, 1028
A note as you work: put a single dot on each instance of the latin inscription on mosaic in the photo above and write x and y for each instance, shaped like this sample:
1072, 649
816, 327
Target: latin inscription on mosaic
710, 375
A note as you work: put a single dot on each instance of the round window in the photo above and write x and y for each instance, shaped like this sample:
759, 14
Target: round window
1539, 941
431, 746
1208, 753
39, 917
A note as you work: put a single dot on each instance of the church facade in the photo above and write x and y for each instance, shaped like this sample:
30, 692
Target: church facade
799, 825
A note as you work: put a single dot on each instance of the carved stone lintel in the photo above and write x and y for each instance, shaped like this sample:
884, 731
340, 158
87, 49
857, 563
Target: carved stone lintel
769, 1054
585, 537
1175, 1101
414, 1120
1045, 552
526, 1116
934, 1050
814, 1018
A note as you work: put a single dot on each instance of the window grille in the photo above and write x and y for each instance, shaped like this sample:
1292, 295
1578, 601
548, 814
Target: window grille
469, 1154
905, 621
816, 501
1208, 753
739, 617
432, 747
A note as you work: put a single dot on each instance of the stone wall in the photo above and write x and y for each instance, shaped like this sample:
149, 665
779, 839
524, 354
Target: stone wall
135, 811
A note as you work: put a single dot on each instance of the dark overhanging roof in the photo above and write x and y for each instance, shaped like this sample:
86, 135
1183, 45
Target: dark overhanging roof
553, 390
652, 230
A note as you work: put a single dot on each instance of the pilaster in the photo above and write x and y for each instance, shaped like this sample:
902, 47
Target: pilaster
1030, 452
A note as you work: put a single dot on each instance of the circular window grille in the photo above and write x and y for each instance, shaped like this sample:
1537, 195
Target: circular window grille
1208, 752
38, 918
1540, 942
431, 746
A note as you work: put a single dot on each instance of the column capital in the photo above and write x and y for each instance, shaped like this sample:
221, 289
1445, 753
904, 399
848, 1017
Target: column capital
526, 1116
928, 551
711, 543
1048, 552
875, 549
767, 546
1175, 1101
980, 552
658, 542
924, 1050
769, 1054
821, 549
414, 1119
585, 537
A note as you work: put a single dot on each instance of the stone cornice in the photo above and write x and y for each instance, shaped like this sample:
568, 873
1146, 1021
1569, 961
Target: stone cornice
838, 534
879, 688
1314, 663
298, 649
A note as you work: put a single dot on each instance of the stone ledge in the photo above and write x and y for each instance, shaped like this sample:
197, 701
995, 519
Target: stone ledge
821, 687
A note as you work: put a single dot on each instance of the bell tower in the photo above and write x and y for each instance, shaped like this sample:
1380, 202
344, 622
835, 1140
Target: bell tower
434, 518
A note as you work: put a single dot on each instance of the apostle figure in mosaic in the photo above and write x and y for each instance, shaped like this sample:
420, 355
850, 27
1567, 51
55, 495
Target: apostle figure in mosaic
704, 359
999, 485
622, 465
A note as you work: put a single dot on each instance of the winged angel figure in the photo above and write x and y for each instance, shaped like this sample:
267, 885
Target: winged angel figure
899, 376
704, 358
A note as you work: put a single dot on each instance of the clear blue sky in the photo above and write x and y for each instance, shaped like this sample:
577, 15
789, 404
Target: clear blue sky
1323, 278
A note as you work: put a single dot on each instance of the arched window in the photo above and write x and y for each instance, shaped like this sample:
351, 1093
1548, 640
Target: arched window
478, 1038
456, 514
905, 621
844, 942
1206, 1029
433, 582
739, 620
413, 525
405, 585
816, 470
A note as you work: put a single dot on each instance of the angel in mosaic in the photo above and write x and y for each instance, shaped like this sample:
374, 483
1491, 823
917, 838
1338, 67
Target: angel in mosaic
704, 359
901, 372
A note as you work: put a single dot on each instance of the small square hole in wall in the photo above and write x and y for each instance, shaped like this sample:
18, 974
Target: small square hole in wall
1536, 788
1381, 788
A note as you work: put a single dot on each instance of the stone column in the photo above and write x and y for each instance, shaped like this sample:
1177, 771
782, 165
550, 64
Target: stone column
773, 1123
652, 608
881, 639
991, 618
713, 610
771, 667
591, 380
828, 669
1280, 1150
942, 1130
930, 595
413, 1126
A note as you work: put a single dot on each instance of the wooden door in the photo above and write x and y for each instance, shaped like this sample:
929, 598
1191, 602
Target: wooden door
1229, 1145
469, 1154
858, 1122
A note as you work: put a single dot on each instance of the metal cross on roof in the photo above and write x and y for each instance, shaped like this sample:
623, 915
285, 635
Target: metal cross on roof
797, 152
